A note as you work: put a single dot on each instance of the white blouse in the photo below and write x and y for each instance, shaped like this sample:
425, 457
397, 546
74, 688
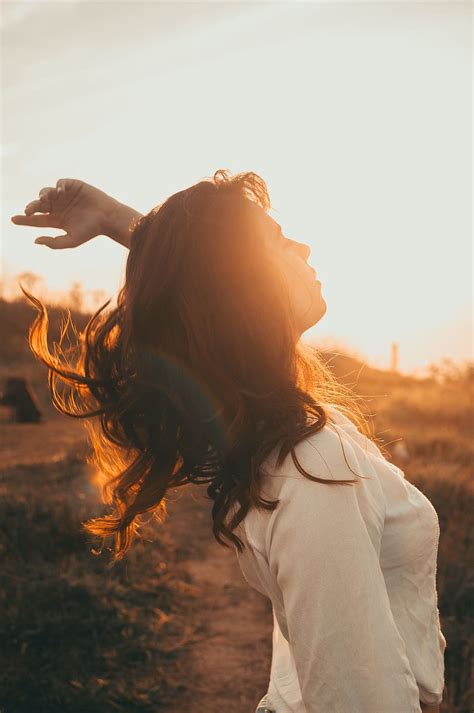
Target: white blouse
351, 574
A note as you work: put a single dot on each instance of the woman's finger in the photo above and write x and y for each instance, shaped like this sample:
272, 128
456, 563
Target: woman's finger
46, 195
37, 221
43, 192
60, 242
39, 204
62, 184
43, 204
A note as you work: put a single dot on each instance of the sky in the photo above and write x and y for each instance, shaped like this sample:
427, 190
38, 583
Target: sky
358, 115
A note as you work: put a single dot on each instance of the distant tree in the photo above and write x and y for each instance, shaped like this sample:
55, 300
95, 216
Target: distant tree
32, 282
97, 298
449, 371
75, 297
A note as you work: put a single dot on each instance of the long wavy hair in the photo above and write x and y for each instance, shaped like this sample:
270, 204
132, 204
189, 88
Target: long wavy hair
196, 375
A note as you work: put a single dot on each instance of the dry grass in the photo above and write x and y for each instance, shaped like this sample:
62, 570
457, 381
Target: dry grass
77, 635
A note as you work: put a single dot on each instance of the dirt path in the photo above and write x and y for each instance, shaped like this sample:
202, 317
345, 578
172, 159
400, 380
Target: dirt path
229, 668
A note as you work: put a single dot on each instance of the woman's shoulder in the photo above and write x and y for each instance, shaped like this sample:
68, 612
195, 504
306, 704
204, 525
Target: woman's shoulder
339, 451
329, 455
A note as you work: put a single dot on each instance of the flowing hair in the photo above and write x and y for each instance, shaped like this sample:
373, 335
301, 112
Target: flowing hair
196, 375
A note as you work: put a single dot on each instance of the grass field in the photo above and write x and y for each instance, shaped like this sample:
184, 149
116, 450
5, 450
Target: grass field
81, 637
78, 635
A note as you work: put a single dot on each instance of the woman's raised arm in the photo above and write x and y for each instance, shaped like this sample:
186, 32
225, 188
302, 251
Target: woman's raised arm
81, 210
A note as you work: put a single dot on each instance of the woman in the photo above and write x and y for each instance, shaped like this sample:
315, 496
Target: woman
199, 375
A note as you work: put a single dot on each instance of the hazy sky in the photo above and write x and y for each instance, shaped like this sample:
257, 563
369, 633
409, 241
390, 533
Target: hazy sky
358, 116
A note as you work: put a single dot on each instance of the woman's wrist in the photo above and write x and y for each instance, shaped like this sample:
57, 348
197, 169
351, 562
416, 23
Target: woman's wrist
117, 222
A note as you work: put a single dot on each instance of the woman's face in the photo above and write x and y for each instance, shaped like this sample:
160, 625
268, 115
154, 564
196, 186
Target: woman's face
307, 303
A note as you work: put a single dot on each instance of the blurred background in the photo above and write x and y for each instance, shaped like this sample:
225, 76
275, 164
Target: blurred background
358, 116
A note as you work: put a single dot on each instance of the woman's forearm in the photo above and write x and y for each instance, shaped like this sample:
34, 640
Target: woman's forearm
118, 222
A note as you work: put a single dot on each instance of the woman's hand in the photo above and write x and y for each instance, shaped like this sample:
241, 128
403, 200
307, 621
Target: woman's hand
81, 210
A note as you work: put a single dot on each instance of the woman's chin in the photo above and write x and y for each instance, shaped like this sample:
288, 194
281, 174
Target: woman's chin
320, 308
317, 313
322, 311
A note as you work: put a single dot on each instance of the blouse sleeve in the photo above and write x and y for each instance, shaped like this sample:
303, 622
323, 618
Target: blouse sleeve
348, 652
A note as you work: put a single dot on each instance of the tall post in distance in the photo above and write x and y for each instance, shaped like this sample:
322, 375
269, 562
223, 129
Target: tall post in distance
394, 356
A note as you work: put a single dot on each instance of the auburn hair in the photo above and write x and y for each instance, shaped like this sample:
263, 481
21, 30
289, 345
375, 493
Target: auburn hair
195, 375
